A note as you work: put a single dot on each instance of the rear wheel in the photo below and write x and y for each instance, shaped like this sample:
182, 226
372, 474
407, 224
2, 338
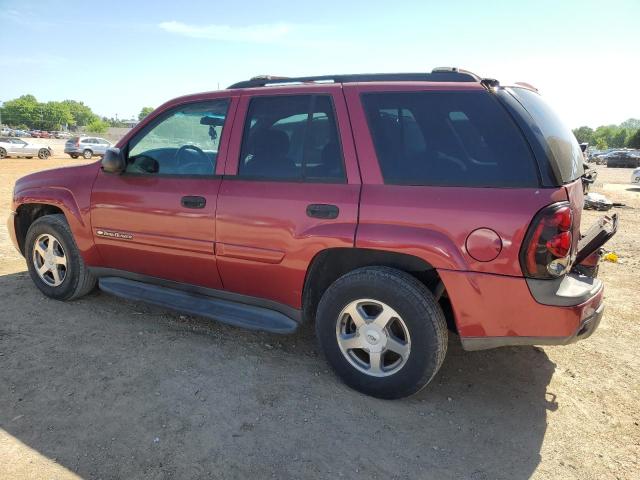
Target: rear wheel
43, 154
87, 154
73, 155
54, 262
382, 332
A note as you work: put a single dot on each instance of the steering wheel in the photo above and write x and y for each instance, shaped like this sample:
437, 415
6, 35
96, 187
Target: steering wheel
186, 165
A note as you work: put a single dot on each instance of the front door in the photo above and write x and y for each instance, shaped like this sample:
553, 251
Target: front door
158, 217
290, 190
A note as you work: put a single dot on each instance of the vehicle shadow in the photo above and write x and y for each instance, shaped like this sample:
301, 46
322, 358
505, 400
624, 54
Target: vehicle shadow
115, 389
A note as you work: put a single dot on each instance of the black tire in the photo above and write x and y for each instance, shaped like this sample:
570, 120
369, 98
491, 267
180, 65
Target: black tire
420, 313
3, 153
78, 281
43, 154
74, 156
87, 154
28, 158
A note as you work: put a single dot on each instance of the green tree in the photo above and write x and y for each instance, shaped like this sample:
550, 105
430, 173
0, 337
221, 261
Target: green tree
21, 110
584, 134
144, 112
634, 140
97, 126
620, 138
601, 144
82, 115
631, 124
54, 116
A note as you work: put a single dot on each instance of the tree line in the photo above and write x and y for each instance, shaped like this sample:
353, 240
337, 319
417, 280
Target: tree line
27, 113
626, 134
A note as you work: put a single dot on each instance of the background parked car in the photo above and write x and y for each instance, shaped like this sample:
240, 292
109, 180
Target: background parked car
623, 159
635, 176
86, 147
16, 147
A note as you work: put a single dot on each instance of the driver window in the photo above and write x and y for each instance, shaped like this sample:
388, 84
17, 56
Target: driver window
183, 141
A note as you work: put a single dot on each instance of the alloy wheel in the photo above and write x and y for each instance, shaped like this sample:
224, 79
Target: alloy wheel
373, 337
49, 260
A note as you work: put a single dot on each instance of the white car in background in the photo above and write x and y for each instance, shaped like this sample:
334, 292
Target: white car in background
635, 176
16, 147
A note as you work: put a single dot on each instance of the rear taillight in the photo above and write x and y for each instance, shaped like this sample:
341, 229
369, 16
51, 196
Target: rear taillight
546, 252
77, 143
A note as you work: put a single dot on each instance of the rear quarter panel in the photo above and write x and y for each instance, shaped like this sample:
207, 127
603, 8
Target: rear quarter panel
433, 223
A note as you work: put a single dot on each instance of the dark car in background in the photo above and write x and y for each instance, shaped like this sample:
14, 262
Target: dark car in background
622, 159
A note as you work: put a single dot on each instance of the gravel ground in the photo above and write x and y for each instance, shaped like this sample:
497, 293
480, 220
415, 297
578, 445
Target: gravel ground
105, 388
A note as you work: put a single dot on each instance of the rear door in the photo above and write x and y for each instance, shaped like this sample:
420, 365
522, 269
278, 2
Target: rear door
290, 190
158, 217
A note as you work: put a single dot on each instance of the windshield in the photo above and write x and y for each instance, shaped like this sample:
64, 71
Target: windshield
564, 147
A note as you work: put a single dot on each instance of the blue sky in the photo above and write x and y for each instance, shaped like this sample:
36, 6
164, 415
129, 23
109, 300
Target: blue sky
119, 56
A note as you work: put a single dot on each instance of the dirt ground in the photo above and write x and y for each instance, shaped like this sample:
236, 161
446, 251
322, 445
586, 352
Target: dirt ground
105, 388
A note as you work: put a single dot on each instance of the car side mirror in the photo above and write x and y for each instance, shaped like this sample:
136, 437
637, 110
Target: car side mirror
113, 161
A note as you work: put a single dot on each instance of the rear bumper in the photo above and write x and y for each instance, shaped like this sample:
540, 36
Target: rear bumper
585, 329
494, 310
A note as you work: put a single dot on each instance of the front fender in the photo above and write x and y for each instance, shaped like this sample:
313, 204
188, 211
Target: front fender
77, 216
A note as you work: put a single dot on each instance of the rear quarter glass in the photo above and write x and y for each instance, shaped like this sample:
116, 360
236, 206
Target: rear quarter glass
563, 151
448, 138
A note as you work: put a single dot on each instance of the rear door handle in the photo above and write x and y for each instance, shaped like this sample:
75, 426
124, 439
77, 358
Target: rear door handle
193, 202
322, 210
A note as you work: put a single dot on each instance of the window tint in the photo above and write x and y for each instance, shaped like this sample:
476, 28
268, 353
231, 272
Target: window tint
449, 139
182, 142
291, 137
564, 147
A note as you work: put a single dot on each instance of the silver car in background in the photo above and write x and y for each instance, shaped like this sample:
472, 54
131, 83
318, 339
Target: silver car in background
16, 147
86, 147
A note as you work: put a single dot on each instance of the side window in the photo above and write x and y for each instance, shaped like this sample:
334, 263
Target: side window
291, 137
448, 139
183, 141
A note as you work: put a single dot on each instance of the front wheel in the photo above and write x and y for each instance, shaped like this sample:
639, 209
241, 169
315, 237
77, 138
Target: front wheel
382, 332
3, 153
43, 154
54, 262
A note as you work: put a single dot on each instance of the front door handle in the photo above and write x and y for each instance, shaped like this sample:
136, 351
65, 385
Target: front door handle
193, 202
322, 210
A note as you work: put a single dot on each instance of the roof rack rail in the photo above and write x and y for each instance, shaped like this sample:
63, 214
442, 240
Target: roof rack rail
442, 74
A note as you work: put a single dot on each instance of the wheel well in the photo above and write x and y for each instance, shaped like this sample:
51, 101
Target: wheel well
29, 213
329, 265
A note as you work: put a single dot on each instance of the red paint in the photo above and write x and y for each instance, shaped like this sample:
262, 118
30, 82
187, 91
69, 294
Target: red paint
433, 223
255, 237
497, 305
483, 244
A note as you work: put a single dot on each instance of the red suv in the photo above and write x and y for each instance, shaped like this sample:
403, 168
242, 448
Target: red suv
387, 209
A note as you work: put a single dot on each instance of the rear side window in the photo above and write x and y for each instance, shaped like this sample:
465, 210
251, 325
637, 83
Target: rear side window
564, 147
448, 139
291, 137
